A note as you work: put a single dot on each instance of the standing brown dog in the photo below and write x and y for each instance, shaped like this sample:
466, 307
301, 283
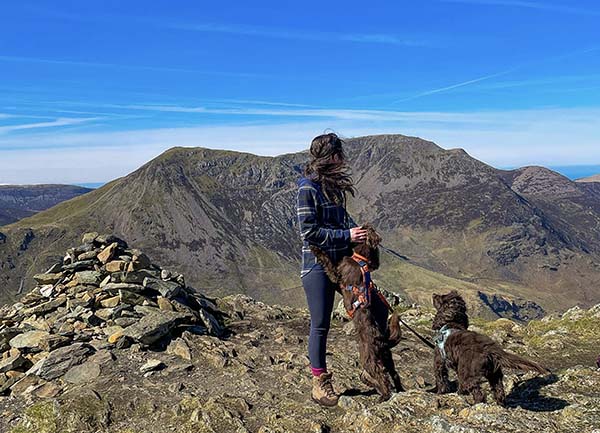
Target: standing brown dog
470, 354
369, 313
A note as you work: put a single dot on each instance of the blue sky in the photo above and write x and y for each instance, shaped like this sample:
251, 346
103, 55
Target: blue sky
91, 90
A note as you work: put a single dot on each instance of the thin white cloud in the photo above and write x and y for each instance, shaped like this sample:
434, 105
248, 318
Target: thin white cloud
303, 34
63, 121
259, 102
246, 30
534, 62
123, 66
546, 6
500, 138
316, 113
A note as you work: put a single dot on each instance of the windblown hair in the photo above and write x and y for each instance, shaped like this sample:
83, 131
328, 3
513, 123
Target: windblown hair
334, 177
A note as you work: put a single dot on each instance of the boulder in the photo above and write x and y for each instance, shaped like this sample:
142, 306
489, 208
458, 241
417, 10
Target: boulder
152, 365
62, 360
107, 253
92, 278
154, 326
89, 237
167, 289
12, 363
46, 306
115, 266
79, 266
48, 278
82, 373
29, 340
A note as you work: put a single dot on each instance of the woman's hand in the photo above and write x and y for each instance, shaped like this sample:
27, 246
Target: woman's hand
358, 235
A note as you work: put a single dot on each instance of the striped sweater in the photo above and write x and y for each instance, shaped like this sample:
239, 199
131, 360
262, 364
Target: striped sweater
322, 223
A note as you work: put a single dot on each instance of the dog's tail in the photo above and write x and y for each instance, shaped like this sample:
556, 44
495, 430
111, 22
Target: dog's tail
326, 262
395, 330
510, 360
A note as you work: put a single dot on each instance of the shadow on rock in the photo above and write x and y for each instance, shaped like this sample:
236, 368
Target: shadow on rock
527, 396
353, 392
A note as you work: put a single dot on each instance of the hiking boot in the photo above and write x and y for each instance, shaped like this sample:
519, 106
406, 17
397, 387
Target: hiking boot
322, 390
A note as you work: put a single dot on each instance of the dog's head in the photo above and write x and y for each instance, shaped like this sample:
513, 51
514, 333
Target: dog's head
451, 308
349, 270
370, 248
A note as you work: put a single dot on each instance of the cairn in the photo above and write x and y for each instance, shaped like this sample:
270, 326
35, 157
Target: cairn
102, 295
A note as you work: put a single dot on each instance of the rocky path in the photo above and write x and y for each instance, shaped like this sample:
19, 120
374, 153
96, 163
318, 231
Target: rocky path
257, 380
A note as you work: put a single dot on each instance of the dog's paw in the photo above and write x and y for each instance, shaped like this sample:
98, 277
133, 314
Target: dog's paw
384, 397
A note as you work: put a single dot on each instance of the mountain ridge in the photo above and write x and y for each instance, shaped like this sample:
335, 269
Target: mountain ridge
227, 220
20, 201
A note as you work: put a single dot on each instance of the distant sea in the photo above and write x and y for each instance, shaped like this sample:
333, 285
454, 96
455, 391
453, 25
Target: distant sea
576, 171
93, 185
571, 171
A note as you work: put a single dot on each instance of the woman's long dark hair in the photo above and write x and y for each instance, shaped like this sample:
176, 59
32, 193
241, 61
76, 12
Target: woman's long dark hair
334, 177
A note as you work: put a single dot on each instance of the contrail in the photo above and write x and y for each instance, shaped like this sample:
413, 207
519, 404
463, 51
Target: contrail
454, 86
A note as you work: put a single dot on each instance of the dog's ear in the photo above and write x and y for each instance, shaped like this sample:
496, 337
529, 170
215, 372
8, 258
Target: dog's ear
437, 301
373, 238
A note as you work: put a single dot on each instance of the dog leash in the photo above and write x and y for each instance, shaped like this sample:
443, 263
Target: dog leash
394, 253
419, 336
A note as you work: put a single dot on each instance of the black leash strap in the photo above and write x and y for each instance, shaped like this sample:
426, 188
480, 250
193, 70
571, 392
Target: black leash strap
419, 336
394, 253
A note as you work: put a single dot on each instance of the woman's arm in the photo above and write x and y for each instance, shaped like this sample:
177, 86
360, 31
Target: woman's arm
307, 219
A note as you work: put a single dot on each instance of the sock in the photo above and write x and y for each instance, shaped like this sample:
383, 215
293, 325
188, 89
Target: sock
317, 371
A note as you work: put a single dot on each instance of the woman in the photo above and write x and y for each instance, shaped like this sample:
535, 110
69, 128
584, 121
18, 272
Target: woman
324, 222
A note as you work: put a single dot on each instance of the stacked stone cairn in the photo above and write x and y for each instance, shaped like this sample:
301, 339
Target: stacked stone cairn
101, 295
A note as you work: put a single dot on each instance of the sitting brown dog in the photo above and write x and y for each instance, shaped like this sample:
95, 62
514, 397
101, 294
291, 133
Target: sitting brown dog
470, 354
369, 312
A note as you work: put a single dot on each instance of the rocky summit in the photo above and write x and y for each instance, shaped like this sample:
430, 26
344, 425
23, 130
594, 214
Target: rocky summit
110, 342
101, 295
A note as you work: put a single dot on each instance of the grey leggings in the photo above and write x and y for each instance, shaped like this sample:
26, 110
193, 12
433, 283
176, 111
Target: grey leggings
320, 293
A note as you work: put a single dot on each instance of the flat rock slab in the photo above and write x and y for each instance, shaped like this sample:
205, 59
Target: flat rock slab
46, 306
79, 266
12, 363
62, 360
154, 326
115, 287
89, 277
108, 252
48, 278
29, 340
167, 289
82, 373
151, 365
54, 341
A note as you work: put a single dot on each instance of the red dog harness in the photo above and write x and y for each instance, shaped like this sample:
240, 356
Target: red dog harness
367, 289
